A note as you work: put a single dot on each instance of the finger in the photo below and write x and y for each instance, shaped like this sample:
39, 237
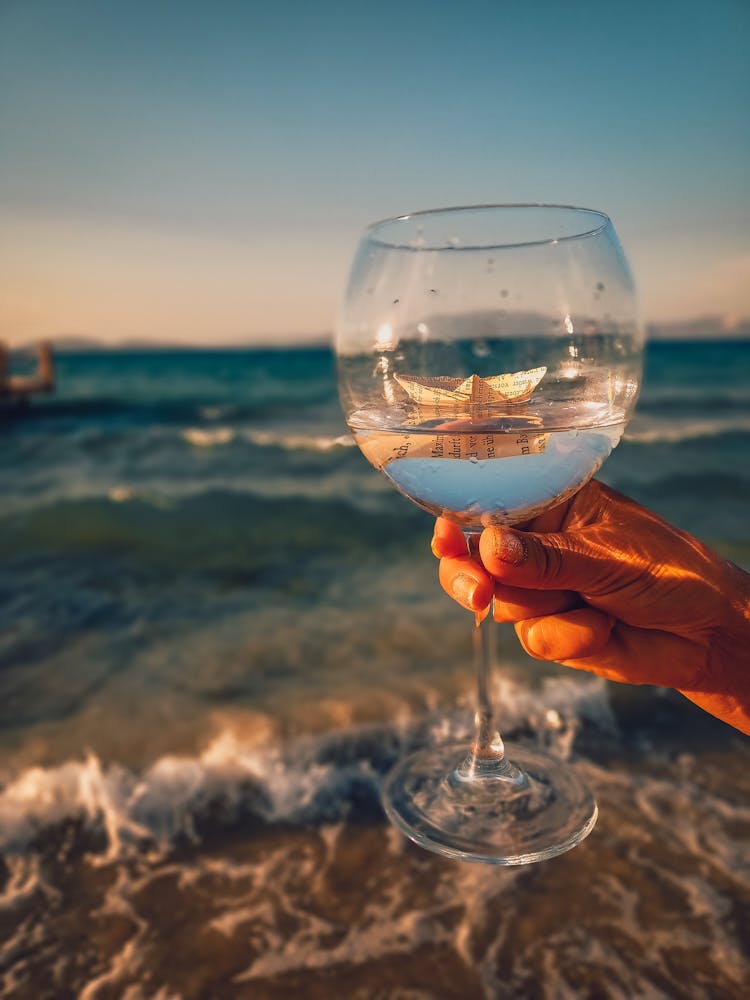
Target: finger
465, 581
629, 654
514, 604
645, 656
571, 635
448, 539
547, 561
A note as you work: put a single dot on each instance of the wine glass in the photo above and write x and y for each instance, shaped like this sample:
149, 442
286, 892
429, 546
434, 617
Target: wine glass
489, 358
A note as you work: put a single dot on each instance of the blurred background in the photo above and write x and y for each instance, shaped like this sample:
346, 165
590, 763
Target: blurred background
185, 172
218, 626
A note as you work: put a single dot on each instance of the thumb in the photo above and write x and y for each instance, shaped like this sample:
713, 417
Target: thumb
547, 560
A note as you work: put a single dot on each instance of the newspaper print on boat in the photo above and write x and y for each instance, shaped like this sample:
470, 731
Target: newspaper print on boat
461, 406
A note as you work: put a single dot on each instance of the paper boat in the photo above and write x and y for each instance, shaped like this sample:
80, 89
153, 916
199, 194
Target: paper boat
514, 387
460, 406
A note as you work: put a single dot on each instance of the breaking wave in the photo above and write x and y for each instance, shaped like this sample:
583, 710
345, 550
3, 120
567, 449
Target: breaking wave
208, 437
251, 778
686, 430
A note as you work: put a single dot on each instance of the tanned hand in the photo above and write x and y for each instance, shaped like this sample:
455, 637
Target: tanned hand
602, 584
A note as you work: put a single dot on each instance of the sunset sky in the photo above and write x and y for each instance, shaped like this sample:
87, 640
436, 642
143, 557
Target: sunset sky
200, 171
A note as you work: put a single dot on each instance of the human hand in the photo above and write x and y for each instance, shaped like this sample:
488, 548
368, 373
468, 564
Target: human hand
602, 584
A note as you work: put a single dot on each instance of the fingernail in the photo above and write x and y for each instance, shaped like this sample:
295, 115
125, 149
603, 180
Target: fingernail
463, 588
434, 546
510, 547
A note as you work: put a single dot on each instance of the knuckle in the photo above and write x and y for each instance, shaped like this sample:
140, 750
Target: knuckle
502, 612
551, 558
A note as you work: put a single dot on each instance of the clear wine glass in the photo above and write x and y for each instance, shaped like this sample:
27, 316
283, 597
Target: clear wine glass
489, 358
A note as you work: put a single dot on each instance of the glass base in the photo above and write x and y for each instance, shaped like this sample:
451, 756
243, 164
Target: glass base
522, 808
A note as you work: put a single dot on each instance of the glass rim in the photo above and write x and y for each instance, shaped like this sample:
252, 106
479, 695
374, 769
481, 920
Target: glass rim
372, 230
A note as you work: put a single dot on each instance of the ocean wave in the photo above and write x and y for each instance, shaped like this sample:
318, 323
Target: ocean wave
106, 409
209, 437
203, 437
60, 413
215, 412
244, 776
230, 781
640, 432
299, 442
667, 398
214, 530
678, 431
329, 900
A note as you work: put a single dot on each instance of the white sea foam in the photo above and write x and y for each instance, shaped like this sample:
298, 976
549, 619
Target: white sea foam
333, 898
165, 799
126, 494
129, 956
313, 779
298, 442
202, 437
210, 437
673, 432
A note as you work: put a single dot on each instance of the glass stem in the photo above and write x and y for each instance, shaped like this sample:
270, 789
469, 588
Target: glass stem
488, 744
486, 758
486, 762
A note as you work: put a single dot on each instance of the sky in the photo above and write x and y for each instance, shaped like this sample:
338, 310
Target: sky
200, 172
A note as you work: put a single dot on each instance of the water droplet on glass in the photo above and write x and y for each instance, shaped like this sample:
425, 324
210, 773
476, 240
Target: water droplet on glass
600, 286
480, 348
396, 301
454, 241
434, 291
504, 293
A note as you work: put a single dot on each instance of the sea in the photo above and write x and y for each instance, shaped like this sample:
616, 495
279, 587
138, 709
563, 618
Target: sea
220, 628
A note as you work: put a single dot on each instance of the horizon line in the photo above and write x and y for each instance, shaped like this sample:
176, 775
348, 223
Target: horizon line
704, 327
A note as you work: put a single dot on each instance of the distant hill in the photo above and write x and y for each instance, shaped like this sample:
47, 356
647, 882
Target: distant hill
701, 328
75, 344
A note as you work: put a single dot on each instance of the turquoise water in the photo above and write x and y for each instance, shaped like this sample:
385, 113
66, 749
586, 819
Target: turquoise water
219, 626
